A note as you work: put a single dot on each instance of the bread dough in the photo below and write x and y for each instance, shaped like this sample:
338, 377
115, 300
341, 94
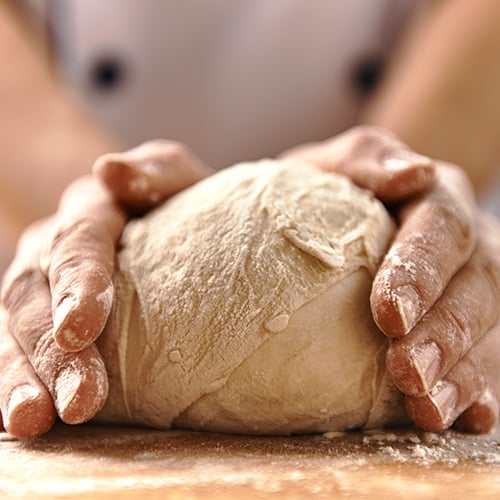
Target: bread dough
242, 305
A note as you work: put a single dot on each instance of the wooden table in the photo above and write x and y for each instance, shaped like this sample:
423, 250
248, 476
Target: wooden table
95, 462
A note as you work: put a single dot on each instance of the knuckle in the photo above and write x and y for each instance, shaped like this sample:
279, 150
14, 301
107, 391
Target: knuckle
15, 287
28, 314
42, 346
456, 330
41, 355
76, 232
73, 244
454, 206
24, 271
422, 266
454, 221
487, 267
64, 232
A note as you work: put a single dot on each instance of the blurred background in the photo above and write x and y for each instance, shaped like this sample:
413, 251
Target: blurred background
237, 80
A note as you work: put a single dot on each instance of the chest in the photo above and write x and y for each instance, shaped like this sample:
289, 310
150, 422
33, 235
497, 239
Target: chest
235, 80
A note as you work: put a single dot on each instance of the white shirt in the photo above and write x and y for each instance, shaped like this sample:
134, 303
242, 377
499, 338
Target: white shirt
233, 79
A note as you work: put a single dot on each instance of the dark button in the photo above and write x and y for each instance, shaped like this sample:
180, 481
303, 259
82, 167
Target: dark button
367, 74
107, 73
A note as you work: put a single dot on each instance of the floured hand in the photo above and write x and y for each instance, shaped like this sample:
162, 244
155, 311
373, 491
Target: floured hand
448, 362
79, 249
438, 290
57, 293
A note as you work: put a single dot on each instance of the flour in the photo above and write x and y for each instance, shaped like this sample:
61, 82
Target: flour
414, 446
242, 305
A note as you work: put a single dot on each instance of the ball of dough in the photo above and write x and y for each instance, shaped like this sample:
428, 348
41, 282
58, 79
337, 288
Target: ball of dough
242, 305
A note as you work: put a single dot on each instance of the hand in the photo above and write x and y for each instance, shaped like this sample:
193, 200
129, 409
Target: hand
58, 292
446, 357
438, 290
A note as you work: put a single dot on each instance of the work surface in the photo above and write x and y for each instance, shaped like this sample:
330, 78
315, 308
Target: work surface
105, 462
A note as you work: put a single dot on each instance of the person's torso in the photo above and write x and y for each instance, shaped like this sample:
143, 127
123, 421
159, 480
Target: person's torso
234, 80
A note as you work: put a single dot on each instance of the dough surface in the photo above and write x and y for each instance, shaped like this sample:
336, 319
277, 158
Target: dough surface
242, 305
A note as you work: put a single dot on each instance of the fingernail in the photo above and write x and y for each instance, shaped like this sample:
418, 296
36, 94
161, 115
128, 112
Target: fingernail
18, 397
408, 304
445, 397
66, 387
67, 304
64, 335
427, 362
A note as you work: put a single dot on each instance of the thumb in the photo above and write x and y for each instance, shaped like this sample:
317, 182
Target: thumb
374, 159
148, 174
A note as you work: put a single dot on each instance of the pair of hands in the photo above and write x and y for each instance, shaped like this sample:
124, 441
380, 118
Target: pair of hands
437, 291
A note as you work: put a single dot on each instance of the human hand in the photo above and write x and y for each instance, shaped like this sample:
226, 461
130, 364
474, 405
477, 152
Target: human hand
438, 290
445, 317
57, 293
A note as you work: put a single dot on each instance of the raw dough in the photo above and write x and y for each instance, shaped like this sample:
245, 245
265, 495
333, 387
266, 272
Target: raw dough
242, 305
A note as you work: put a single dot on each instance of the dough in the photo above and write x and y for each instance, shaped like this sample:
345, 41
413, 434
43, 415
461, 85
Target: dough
242, 305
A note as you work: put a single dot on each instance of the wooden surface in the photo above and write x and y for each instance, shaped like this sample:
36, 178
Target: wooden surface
99, 462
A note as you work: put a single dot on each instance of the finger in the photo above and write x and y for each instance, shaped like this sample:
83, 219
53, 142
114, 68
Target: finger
468, 395
77, 382
467, 309
25, 404
481, 417
436, 237
439, 409
78, 260
373, 159
143, 176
